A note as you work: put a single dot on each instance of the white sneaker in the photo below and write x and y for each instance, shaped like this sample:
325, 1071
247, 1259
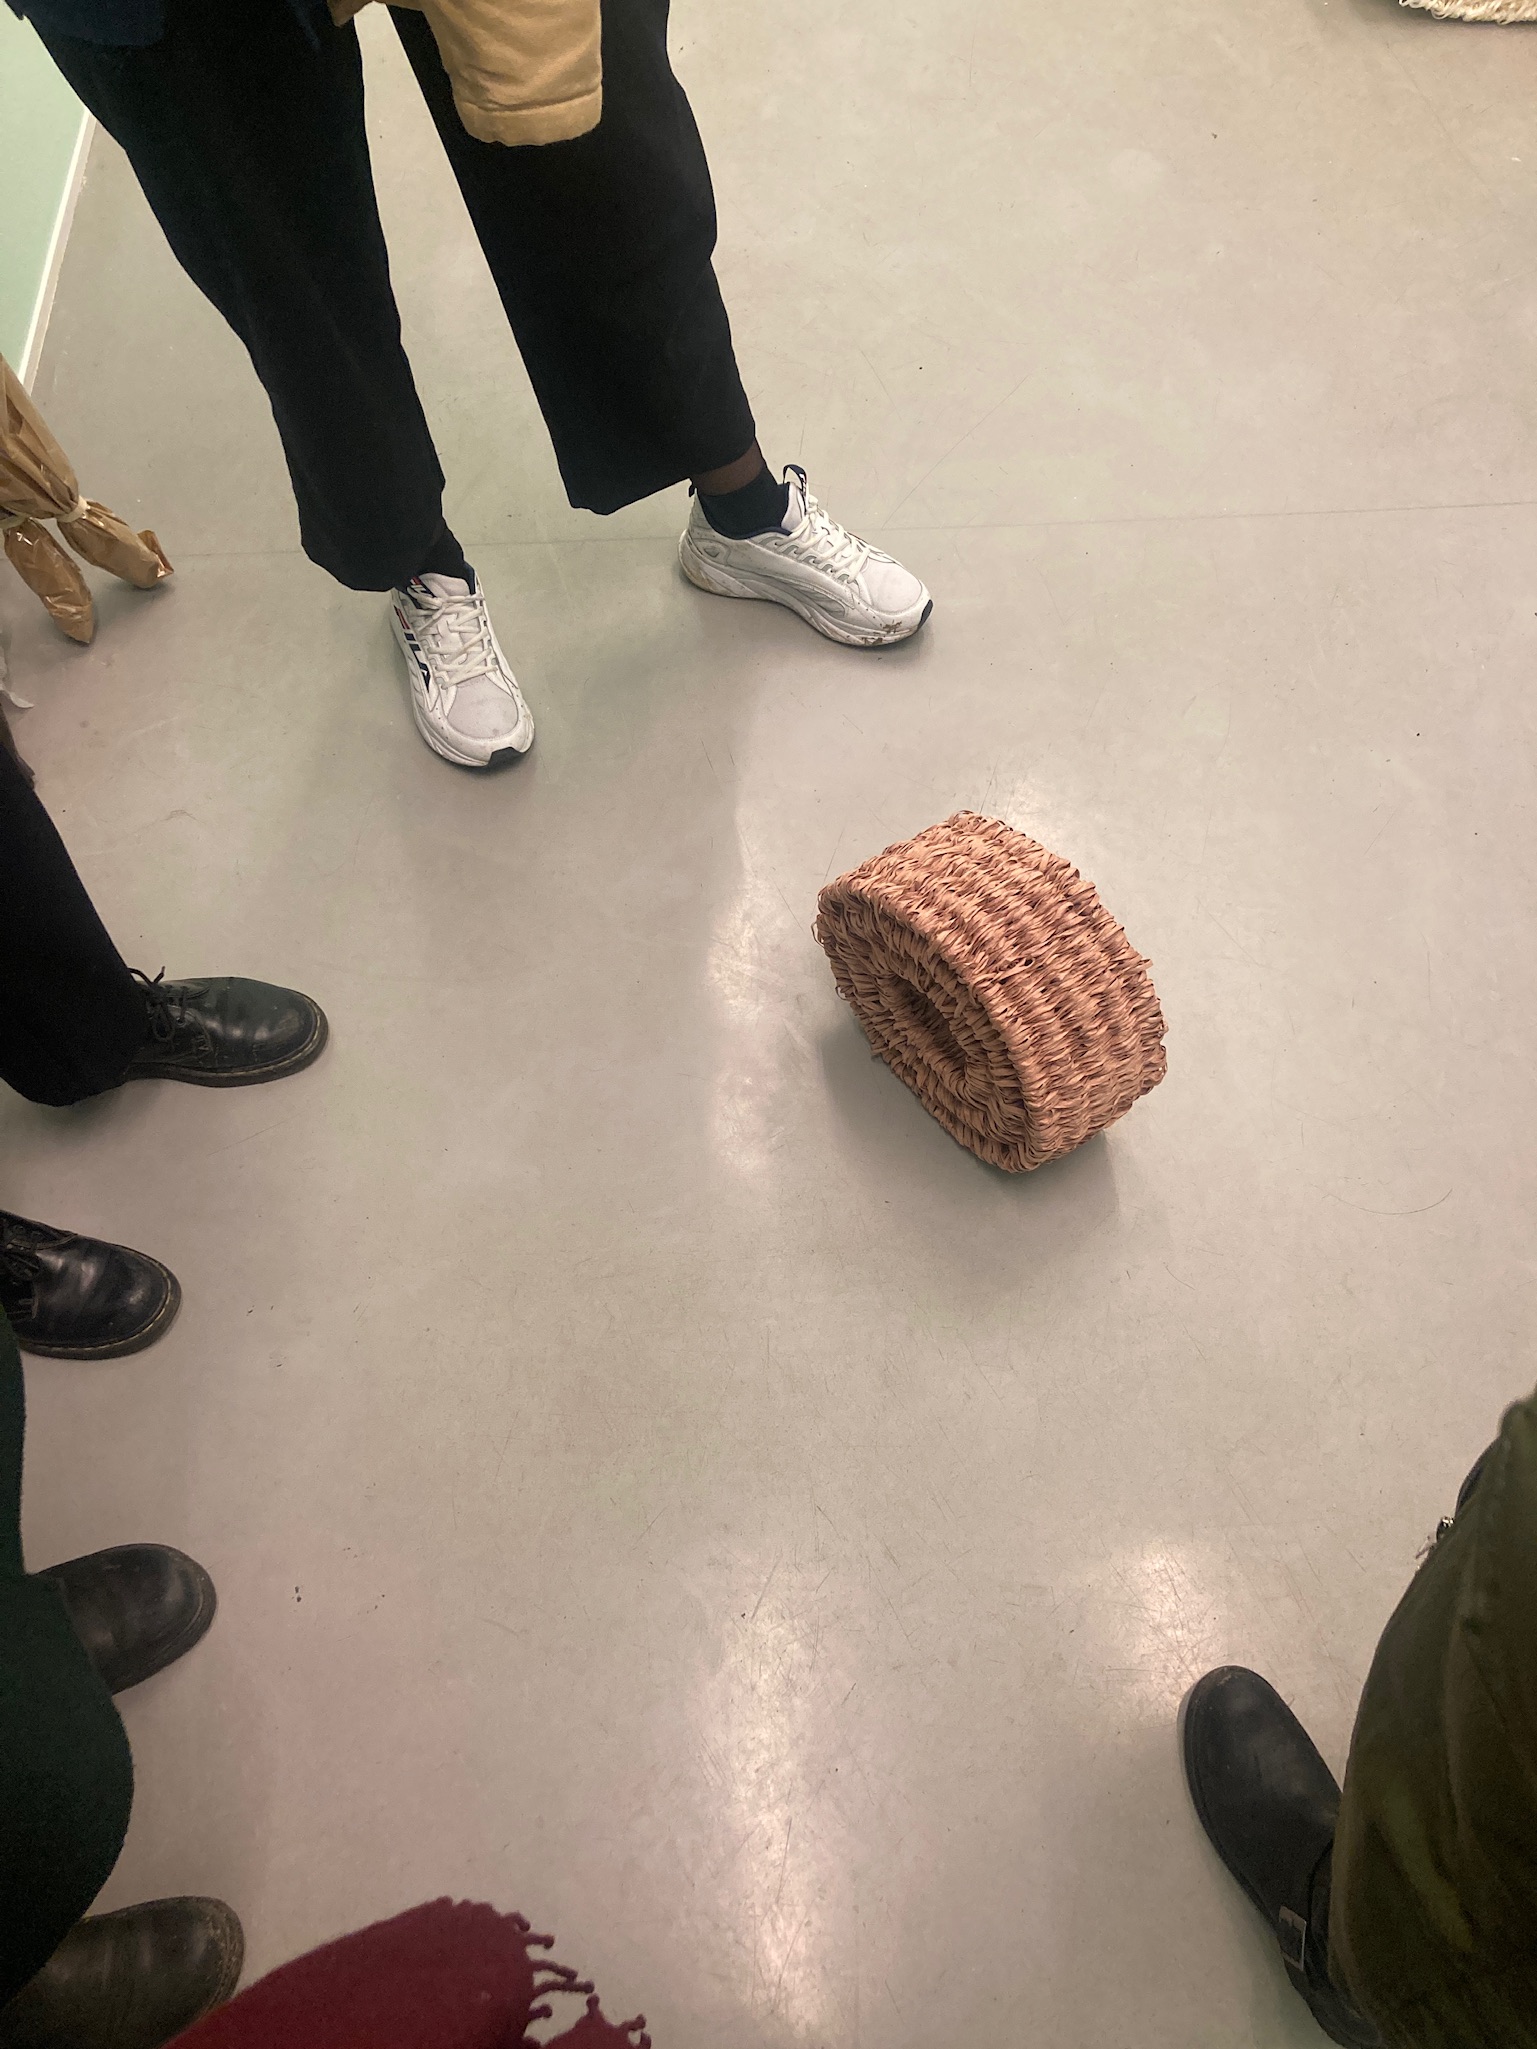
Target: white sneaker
831, 578
464, 698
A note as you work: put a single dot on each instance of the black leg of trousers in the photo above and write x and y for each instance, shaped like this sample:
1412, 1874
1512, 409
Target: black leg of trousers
71, 1015
249, 142
66, 1778
600, 248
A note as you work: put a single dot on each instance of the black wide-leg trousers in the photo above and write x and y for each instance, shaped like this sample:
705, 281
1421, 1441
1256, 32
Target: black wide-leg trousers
247, 135
71, 1014
66, 1779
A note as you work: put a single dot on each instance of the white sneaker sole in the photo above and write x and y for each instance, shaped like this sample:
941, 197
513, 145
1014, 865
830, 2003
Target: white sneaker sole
723, 583
512, 749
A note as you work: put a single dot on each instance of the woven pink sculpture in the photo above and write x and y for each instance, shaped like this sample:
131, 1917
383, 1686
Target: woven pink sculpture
988, 975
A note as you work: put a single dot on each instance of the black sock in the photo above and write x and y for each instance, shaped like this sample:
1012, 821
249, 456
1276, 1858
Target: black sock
756, 509
446, 558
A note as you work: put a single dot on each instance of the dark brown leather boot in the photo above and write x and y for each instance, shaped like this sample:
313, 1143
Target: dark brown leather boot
1269, 1803
226, 1032
130, 1980
137, 1608
69, 1297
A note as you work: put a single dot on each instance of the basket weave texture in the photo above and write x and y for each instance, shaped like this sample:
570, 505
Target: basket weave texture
988, 975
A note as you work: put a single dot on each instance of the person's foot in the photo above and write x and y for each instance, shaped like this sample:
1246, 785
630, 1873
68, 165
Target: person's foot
827, 576
130, 1980
137, 1608
464, 697
69, 1297
1269, 1804
225, 1032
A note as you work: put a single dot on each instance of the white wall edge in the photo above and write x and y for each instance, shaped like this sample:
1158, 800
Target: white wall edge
42, 311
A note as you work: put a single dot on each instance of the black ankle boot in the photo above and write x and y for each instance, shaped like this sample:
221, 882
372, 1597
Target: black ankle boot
225, 1032
131, 1980
136, 1608
1269, 1803
69, 1297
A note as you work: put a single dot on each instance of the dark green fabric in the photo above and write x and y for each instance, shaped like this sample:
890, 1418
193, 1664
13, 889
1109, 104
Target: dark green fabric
66, 1780
1434, 1919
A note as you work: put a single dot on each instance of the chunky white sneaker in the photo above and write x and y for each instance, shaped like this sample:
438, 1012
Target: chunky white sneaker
464, 698
831, 578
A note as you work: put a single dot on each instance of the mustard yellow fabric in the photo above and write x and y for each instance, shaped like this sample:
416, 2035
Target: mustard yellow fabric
522, 70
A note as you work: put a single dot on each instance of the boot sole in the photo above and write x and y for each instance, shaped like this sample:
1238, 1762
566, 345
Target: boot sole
238, 1077
157, 1326
719, 583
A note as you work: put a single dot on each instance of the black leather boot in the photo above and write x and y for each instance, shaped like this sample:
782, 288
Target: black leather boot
69, 1297
136, 1608
130, 1980
225, 1032
1269, 1803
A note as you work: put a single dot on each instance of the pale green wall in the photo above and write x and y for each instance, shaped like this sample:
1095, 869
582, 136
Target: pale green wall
39, 121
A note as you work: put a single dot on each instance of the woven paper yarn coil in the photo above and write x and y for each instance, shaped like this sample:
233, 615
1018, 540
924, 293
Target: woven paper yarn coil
988, 975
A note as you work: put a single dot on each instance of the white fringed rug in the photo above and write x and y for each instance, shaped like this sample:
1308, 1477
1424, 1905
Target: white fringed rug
1478, 10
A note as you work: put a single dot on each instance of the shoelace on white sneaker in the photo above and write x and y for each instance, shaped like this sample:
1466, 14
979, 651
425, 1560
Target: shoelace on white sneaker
832, 547
457, 633
823, 544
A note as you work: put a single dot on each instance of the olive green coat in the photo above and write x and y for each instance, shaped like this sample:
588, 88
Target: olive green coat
1434, 1918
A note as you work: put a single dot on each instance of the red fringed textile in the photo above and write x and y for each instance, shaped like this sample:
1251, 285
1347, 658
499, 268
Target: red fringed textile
447, 1975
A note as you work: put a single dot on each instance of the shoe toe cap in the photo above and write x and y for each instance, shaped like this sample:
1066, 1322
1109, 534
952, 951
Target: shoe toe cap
139, 1296
184, 1955
133, 1978
1263, 1794
263, 1025
93, 1297
203, 1945
136, 1608
894, 590
488, 718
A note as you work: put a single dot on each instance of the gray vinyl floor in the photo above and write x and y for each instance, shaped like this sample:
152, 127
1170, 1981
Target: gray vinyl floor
654, 1478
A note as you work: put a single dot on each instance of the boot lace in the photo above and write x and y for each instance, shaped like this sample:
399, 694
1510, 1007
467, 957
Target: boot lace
163, 1005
